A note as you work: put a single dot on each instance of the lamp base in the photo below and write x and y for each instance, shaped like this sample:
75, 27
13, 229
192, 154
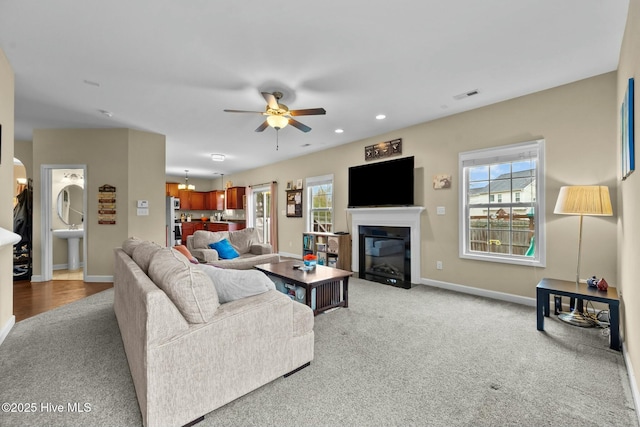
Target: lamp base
576, 318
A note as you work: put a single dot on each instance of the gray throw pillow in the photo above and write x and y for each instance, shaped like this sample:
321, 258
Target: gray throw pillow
186, 285
236, 284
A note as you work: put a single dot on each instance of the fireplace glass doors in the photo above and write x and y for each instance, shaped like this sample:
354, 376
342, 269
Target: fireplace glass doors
385, 255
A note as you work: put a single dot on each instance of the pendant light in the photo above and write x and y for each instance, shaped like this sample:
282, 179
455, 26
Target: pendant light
186, 185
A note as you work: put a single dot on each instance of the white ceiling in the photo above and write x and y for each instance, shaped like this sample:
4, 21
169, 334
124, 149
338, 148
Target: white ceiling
171, 67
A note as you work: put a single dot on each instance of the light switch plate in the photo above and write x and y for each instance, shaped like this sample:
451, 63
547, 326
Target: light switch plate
143, 204
143, 211
440, 210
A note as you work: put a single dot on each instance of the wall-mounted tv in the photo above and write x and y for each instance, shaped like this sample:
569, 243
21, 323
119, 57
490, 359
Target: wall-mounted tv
388, 183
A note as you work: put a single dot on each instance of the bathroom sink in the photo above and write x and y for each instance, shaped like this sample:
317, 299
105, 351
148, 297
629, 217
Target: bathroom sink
65, 233
73, 245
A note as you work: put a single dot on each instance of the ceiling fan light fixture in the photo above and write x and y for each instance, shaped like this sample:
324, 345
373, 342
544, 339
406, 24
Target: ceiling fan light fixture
277, 122
218, 157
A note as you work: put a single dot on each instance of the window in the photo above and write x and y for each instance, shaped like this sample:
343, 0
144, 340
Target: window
320, 204
511, 229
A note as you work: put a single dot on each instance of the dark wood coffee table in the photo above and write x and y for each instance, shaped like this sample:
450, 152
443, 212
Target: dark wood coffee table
325, 280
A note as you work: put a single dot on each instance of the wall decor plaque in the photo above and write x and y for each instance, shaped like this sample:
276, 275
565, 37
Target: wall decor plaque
107, 204
383, 149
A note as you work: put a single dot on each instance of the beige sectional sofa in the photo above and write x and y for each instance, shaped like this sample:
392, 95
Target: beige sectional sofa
189, 354
246, 242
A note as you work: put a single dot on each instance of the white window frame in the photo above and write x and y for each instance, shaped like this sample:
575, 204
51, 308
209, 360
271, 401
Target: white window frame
530, 149
314, 181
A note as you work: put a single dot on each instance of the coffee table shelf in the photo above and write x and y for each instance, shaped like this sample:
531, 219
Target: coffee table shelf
331, 284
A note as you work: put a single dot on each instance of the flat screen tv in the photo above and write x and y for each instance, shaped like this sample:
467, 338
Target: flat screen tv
388, 183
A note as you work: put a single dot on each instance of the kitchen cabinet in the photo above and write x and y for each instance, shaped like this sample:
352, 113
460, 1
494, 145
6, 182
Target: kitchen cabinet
191, 200
214, 200
190, 227
172, 189
235, 197
197, 200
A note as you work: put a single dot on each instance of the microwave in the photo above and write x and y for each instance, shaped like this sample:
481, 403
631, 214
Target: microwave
176, 203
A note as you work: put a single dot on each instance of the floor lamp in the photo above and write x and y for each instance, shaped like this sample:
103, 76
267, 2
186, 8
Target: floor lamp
592, 200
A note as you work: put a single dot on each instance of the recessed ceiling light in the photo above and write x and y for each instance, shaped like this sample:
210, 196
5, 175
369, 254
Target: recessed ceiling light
381, 117
218, 157
339, 130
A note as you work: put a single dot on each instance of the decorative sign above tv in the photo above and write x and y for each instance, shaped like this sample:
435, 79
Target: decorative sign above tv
388, 183
383, 149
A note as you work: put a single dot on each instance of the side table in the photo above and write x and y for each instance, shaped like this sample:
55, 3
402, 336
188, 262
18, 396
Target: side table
546, 287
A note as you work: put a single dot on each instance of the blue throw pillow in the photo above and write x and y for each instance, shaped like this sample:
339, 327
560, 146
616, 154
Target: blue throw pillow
225, 250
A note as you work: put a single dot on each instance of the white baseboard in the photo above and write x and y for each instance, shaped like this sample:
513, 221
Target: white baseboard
480, 292
635, 393
98, 279
7, 328
36, 278
288, 255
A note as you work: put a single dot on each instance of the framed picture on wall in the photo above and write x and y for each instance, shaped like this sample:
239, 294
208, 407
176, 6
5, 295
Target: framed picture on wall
294, 203
626, 121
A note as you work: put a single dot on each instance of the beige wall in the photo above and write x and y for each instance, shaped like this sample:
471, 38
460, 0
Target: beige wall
132, 161
628, 197
6, 191
23, 151
578, 122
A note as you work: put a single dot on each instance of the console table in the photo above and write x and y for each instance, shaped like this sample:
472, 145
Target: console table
546, 287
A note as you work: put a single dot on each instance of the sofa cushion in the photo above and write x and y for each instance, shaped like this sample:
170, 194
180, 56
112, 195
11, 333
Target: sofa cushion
130, 244
224, 249
184, 251
243, 239
232, 285
143, 252
202, 238
188, 287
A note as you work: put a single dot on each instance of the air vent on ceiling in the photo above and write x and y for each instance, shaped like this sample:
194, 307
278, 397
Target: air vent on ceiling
466, 94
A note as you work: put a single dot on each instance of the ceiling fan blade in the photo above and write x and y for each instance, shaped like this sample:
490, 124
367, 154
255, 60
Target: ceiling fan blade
271, 100
298, 125
244, 111
308, 112
262, 127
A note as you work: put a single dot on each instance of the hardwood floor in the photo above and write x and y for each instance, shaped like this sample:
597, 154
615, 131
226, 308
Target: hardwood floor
30, 299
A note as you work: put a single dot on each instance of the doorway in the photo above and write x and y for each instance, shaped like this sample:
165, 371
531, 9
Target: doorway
64, 203
261, 204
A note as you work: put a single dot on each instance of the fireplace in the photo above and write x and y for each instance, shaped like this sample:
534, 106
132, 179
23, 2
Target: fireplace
389, 218
385, 255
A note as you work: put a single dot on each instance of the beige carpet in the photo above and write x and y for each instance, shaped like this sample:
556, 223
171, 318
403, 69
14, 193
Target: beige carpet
395, 357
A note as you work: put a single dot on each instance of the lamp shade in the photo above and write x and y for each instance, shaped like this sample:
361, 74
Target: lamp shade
277, 122
584, 200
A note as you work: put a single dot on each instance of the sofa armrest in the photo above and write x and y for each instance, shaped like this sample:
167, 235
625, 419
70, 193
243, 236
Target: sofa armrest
205, 255
261, 249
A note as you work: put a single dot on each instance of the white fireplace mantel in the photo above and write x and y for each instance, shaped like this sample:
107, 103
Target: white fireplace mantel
405, 216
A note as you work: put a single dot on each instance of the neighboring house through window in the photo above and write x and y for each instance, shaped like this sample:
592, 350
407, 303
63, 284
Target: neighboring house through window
502, 200
320, 204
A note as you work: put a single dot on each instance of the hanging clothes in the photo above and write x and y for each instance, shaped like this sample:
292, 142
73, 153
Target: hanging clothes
23, 225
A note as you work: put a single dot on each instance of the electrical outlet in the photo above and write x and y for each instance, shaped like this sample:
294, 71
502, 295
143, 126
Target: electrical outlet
439, 265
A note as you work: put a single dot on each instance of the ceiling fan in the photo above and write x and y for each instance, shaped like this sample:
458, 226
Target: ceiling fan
279, 115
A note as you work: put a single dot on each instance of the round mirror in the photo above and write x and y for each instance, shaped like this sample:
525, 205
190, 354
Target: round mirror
70, 205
